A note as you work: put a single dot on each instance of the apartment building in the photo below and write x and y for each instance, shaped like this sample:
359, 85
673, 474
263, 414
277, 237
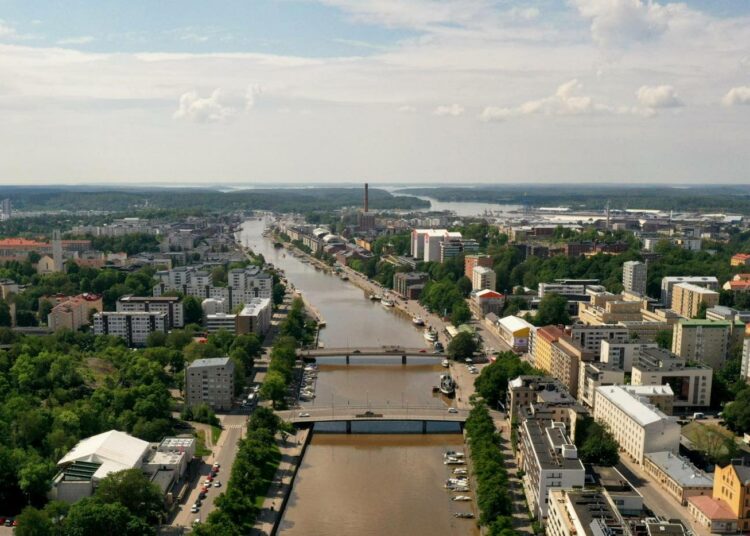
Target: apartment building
726, 511
623, 354
549, 460
702, 340
579, 512
486, 301
687, 299
677, 476
542, 397
220, 321
590, 337
73, 312
409, 285
472, 261
541, 346
170, 305
668, 283
634, 276
210, 381
637, 425
483, 278
593, 375
255, 317
133, 326
606, 308
690, 380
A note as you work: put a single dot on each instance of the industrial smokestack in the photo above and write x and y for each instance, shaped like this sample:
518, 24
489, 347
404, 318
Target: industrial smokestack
367, 197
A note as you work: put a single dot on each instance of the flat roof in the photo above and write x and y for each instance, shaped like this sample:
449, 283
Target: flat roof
210, 362
631, 404
545, 439
680, 469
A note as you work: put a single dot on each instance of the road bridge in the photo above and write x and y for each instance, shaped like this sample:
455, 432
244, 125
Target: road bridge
383, 351
370, 414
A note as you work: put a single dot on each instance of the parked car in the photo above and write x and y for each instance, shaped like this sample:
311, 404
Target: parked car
217, 484
194, 509
452, 410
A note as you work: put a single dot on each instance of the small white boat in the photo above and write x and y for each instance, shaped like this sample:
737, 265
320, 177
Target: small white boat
459, 471
376, 297
461, 498
417, 321
445, 363
430, 335
463, 515
453, 461
387, 303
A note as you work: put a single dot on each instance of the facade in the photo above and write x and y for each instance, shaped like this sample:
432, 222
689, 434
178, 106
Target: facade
702, 340
593, 375
714, 515
745, 368
409, 285
170, 305
472, 261
634, 276
624, 354
211, 306
549, 460
134, 327
217, 322
732, 486
690, 381
590, 337
485, 302
515, 332
687, 299
638, 426
667, 284
210, 381
527, 395
740, 259
483, 278
255, 317
73, 312
578, 512
677, 476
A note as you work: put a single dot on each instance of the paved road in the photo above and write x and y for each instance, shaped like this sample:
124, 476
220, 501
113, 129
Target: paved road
224, 453
653, 496
384, 413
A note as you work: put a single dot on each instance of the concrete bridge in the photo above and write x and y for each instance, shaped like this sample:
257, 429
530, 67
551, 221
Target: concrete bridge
383, 351
351, 414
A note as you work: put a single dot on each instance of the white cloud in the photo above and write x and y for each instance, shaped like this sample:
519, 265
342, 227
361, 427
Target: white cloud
737, 96
452, 110
203, 110
495, 114
79, 40
251, 96
7, 31
565, 101
654, 97
622, 22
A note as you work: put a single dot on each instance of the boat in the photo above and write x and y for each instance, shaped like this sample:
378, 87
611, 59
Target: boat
447, 385
445, 363
417, 321
387, 303
459, 471
375, 297
345, 277
461, 498
430, 335
464, 515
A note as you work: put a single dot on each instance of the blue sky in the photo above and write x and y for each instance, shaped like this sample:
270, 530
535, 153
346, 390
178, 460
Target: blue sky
386, 90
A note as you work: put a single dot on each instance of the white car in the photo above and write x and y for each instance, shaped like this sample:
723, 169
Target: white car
452, 410
217, 484
194, 509
304, 414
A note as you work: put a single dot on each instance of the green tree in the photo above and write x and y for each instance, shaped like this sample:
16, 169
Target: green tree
460, 313
278, 293
553, 310
5, 318
133, 490
596, 444
156, 339
33, 522
737, 413
193, 311
464, 286
274, 388
463, 345
89, 517
492, 382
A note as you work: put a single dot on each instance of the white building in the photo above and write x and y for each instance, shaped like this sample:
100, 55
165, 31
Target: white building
690, 381
92, 459
623, 354
634, 276
170, 305
134, 327
255, 317
211, 306
219, 321
210, 381
483, 278
549, 460
636, 425
593, 375
577, 512
590, 338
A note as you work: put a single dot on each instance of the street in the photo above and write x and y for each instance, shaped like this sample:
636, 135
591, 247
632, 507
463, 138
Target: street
224, 453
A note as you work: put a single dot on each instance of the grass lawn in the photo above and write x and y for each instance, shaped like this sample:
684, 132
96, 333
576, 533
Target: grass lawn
215, 433
712, 439
269, 471
200, 447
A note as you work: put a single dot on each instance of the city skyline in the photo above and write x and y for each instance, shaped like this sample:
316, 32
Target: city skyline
337, 91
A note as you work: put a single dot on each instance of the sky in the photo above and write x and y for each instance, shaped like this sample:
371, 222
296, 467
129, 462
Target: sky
386, 91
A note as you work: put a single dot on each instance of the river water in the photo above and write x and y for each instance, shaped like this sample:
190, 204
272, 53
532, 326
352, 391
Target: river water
367, 484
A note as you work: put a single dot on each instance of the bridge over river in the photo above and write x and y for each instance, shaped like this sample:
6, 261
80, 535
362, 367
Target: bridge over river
383, 351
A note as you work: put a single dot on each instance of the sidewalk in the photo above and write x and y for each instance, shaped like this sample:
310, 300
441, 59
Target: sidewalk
521, 521
277, 495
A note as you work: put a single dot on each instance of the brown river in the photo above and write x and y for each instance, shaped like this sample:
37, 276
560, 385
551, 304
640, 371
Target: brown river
367, 484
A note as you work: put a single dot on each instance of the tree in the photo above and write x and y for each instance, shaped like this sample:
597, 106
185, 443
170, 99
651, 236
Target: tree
460, 313
492, 382
464, 286
717, 444
663, 338
133, 490
90, 516
463, 345
5, 318
596, 444
192, 309
274, 388
33, 522
156, 339
278, 293
553, 310
222, 339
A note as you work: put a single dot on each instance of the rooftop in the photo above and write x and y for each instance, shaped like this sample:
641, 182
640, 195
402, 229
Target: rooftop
552, 447
633, 405
714, 509
705, 323
514, 323
210, 362
695, 288
593, 511
113, 451
680, 469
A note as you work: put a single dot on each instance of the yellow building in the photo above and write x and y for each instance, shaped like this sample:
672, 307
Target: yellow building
544, 338
688, 298
732, 485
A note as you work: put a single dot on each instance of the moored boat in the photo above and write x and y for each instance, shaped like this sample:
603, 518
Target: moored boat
430, 335
417, 321
447, 385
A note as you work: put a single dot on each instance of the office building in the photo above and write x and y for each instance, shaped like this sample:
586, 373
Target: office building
634, 276
690, 380
549, 460
409, 285
134, 327
688, 299
170, 305
638, 426
590, 337
472, 261
677, 476
220, 321
702, 340
210, 381
593, 375
483, 278
623, 354
668, 283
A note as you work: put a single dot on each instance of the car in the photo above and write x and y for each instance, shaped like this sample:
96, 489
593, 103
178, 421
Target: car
452, 410
9, 522
197, 521
207, 482
194, 509
423, 351
304, 414
469, 361
15, 523
217, 484
2, 520
217, 465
